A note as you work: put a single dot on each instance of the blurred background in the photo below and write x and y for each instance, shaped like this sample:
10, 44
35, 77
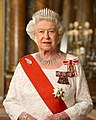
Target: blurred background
79, 19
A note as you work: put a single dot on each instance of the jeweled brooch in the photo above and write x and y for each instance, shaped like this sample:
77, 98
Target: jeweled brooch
58, 93
28, 61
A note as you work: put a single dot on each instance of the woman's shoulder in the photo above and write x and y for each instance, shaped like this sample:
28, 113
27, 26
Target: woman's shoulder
25, 56
68, 56
71, 57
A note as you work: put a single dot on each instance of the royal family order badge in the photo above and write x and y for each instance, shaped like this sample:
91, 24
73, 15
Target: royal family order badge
63, 77
71, 67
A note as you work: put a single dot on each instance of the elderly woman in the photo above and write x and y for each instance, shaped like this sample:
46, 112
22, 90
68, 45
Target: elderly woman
49, 84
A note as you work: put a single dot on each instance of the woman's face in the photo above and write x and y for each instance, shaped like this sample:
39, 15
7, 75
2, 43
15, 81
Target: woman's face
46, 35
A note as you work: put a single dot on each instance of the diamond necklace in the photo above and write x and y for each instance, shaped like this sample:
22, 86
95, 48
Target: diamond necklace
48, 62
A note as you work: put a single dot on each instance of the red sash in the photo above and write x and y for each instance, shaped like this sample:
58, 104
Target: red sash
42, 84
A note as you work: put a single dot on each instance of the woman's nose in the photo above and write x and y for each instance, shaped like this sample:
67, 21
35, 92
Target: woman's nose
46, 34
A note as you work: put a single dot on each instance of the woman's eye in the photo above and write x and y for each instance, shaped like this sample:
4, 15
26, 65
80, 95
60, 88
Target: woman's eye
51, 31
41, 31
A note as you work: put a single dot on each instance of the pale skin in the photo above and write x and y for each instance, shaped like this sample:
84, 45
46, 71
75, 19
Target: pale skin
47, 40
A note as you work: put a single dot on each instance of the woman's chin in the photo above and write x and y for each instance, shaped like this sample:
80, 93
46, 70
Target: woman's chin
47, 48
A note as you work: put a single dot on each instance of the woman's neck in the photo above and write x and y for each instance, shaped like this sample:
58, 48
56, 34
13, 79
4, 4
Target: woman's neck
48, 55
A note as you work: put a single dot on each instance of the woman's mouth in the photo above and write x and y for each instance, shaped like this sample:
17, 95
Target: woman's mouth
47, 42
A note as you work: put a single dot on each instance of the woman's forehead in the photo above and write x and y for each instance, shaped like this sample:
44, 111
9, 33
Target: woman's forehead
45, 23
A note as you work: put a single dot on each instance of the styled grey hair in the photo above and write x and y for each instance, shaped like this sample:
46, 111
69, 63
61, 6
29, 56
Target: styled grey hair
44, 14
